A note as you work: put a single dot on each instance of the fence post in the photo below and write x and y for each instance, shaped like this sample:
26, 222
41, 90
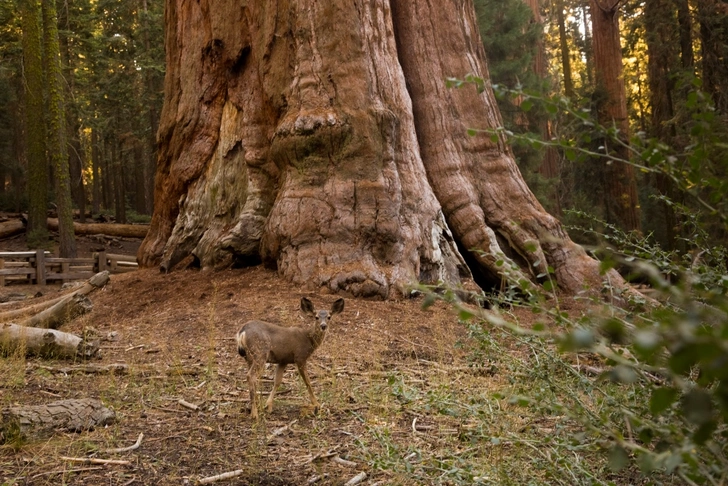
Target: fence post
101, 261
40, 270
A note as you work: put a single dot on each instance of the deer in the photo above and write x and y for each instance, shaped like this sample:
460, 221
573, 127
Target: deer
261, 342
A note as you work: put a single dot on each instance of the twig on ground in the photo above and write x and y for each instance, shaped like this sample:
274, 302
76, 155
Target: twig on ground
279, 431
66, 471
343, 462
321, 455
187, 404
356, 479
113, 368
95, 460
127, 449
221, 477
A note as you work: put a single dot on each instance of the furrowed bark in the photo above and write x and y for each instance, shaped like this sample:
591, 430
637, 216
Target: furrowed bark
320, 138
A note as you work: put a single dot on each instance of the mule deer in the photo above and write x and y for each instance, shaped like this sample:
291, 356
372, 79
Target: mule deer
261, 342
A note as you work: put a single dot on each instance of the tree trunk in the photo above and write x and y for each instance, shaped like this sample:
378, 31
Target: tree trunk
57, 141
95, 172
321, 138
588, 44
713, 19
117, 168
686, 33
549, 167
564, 49
660, 35
617, 178
31, 13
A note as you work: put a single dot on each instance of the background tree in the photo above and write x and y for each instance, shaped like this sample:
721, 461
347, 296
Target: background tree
512, 33
619, 189
57, 143
31, 14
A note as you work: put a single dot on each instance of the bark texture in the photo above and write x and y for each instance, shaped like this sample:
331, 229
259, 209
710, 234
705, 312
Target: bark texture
30, 11
57, 136
617, 179
321, 138
64, 415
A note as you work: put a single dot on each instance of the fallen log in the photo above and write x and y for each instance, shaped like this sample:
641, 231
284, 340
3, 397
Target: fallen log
11, 228
110, 229
96, 282
43, 420
63, 311
47, 343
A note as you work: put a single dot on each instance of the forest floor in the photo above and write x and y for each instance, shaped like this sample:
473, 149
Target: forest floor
407, 397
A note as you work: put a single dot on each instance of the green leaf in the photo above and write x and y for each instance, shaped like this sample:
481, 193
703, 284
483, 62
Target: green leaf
662, 399
697, 407
683, 359
526, 105
428, 301
618, 458
646, 462
704, 432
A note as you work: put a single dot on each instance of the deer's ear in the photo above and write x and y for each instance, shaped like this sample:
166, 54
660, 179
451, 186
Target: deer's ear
307, 306
337, 307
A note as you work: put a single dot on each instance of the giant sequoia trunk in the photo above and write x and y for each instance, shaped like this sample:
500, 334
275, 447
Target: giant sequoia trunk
320, 138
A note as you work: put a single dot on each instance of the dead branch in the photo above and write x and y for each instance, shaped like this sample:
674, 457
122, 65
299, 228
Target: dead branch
127, 449
95, 460
112, 369
221, 477
63, 311
96, 282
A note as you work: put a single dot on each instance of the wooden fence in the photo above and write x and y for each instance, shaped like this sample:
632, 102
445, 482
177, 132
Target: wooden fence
38, 267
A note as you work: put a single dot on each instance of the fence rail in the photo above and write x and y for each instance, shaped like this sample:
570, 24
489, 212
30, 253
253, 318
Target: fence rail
38, 267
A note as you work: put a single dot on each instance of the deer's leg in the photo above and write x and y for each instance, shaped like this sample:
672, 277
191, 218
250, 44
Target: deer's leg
280, 369
304, 375
254, 372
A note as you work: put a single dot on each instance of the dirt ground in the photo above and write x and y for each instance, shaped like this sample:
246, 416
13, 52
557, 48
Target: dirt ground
175, 332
